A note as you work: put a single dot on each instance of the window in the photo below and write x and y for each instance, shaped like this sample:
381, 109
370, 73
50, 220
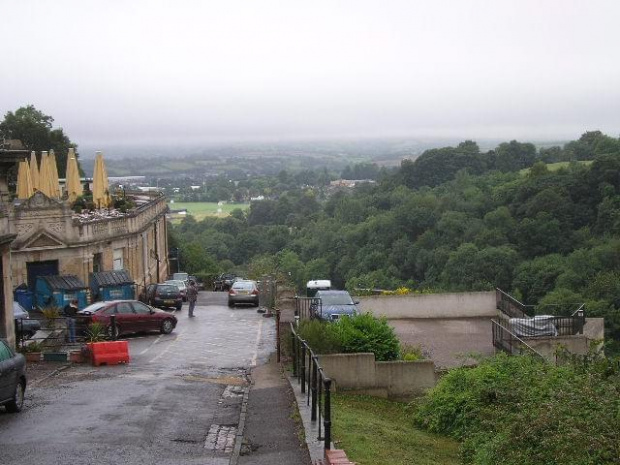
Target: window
97, 262
118, 259
124, 308
140, 308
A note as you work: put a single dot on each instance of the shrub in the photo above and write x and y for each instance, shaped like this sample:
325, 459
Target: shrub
410, 353
360, 333
365, 333
521, 410
320, 336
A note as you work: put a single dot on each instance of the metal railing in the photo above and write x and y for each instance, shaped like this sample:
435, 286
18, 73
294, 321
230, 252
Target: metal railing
570, 324
510, 306
315, 384
52, 333
509, 342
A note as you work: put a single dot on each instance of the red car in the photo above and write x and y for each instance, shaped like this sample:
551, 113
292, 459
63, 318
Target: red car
131, 316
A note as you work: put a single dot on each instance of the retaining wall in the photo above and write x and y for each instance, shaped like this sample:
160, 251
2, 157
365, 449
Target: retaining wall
362, 374
447, 305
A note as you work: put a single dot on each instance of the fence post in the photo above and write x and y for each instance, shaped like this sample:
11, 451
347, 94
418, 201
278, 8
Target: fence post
315, 381
294, 348
303, 366
278, 344
113, 327
328, 414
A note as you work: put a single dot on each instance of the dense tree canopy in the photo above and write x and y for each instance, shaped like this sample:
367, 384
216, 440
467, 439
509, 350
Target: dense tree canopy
36, 132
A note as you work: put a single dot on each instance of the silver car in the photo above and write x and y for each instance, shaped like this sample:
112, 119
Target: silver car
243, 292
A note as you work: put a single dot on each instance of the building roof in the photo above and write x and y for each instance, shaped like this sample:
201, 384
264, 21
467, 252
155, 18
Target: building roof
111, 278
67, 282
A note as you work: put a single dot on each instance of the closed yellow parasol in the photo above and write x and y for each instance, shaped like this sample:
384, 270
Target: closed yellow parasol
24, 183
53, 168
45, 185
73, 184
101, 196
34, 171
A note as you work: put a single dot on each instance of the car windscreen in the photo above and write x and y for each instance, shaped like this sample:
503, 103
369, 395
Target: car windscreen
336, 299
92, 308
168, 288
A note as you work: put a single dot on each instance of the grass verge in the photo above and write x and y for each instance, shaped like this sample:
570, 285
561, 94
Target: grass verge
374, 431
201, 210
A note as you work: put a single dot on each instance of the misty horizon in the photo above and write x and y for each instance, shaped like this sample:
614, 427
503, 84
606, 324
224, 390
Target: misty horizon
203, 73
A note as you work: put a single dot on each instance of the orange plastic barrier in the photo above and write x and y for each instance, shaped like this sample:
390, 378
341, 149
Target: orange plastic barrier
109, 353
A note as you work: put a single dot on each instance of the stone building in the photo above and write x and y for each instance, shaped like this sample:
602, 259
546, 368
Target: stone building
8, 161
47, 238
52, 240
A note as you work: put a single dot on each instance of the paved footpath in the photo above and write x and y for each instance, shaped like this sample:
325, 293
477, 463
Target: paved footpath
273, 433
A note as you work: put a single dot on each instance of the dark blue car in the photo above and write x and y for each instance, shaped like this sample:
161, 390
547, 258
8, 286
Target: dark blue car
331, 305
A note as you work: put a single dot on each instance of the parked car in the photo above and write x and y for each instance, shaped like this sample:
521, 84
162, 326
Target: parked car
164, 296
181, 276
224, 281
331, 305
181, 285
12, 378
24, 326
131, 316
243, 292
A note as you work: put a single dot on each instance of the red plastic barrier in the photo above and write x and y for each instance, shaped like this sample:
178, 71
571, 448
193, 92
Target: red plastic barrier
109, 353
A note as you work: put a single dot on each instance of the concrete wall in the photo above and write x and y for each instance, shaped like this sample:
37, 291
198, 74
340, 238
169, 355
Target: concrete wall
448, 305
593, 331
362, 374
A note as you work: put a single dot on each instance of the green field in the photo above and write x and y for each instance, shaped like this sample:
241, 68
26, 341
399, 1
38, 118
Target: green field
558, 165
201, 210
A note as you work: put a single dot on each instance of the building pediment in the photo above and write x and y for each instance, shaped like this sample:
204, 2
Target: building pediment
37, 202
40, 239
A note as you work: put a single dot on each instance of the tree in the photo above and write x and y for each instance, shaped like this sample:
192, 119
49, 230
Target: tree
34, 129
514, 156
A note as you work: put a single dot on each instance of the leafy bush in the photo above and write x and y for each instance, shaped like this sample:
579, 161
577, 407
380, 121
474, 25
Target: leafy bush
411, 353
360, 333
520, 410
321, 336
365, 333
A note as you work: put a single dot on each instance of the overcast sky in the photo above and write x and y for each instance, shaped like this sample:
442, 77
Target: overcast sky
191, 71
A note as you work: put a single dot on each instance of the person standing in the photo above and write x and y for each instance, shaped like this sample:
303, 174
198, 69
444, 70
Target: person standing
192, 296
70, 312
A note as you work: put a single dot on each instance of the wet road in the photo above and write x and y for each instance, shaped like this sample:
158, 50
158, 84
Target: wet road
177, 401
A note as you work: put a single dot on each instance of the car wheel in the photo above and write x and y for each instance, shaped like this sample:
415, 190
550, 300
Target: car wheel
230, 304
17, 403
167, 326
179, 307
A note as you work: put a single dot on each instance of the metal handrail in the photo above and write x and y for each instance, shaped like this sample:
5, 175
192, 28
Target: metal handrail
498, 340
567, 325
315, 384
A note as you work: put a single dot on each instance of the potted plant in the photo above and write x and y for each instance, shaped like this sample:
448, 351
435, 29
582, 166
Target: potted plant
32, 351
96, 332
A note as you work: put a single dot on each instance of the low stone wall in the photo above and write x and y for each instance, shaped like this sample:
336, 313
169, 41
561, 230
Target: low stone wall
362, 374
581, 344
447, 305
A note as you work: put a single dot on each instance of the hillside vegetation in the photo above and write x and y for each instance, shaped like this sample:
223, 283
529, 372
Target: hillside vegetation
455, 219
523, 411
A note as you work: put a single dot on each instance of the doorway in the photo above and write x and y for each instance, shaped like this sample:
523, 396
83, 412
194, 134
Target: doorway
35, 269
